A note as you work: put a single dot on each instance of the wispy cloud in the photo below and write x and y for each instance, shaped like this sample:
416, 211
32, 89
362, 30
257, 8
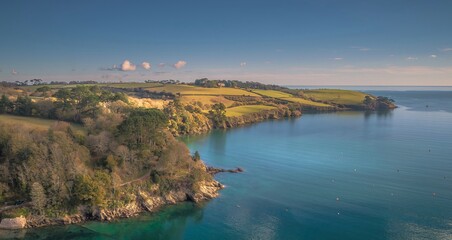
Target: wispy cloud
146, 65
14, 72
433, 56
112, 68
411, 58
337, 59
446, 49
243, 64
180, 64
362, 49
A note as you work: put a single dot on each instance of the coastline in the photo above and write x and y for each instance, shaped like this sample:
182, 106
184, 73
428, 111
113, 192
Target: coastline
151, 199
143, 201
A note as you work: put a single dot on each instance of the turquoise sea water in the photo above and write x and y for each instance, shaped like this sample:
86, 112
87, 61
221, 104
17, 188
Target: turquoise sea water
346, 175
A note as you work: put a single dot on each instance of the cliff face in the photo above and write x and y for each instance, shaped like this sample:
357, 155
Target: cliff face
144, 201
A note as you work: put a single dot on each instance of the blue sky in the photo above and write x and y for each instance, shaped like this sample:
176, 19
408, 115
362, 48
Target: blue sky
315, 42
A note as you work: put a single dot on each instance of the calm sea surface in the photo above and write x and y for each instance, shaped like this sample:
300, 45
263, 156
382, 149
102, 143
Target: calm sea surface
346, 175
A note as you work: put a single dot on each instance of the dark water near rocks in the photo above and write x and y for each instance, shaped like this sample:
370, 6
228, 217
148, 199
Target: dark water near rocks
347, 175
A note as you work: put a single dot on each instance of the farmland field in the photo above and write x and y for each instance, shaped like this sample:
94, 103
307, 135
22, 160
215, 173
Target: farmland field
305, 102
289, 97
247, 109
272, 93
337, 96
192, 90
205, 99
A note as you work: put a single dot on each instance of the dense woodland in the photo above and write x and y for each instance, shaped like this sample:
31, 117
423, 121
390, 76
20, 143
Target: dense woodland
59, 168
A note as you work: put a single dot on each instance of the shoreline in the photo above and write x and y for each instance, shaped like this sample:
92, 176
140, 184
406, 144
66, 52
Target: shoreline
144, 201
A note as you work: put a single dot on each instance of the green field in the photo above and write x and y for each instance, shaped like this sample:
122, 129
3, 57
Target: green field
247, 109
193, 90
206, 99
337, 96
289, 97
273, 93
38, 123
305, 102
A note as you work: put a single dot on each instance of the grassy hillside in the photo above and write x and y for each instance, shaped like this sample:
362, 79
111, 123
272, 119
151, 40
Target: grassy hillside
346, 97
289, 97
206, 99
247, 109
39, 123
272, 93
305, 102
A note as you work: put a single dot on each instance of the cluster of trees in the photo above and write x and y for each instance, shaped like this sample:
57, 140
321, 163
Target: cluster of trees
218, 115
204, 82
83, 101
58, 169
186, 119
72, 104
22, 106
167, 81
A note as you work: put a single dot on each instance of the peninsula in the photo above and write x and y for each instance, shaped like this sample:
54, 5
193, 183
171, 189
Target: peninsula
72, 152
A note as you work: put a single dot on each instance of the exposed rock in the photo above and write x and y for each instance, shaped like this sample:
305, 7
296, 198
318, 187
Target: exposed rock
129, 210
150, 203
207, 190
13, 223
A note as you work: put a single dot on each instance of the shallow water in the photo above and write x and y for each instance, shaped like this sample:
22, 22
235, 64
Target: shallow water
346, 175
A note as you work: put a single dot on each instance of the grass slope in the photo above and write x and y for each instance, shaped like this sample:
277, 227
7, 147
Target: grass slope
246, 109
206, 99
38, 123
305, 102
272, 93
289, 97
338, 96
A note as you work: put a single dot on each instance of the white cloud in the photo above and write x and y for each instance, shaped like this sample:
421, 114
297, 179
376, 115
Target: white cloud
180, 64
338, 59
146, 65
433, 56
13, 72
446, 49
128, 66
243, 64
411, 58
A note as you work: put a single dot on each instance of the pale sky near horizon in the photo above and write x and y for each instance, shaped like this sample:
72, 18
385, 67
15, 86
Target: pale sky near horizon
316, 42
